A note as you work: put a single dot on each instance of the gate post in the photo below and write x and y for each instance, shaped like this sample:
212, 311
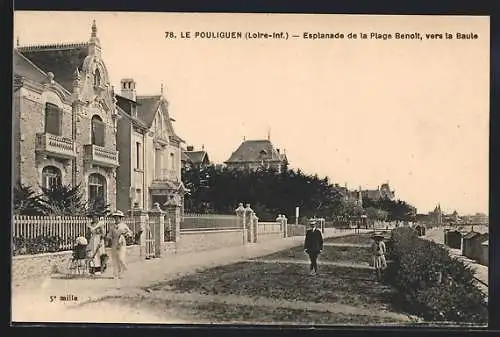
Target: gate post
249, 222
285, 226
173, 207
240, 218
141, 220
158, 229
255, 226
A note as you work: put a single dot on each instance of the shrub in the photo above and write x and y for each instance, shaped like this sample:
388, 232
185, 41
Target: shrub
431, 283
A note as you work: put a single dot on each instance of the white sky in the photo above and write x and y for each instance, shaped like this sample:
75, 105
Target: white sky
415, 113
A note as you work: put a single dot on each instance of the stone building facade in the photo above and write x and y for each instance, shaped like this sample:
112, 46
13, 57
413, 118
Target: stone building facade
150, 151
65, 118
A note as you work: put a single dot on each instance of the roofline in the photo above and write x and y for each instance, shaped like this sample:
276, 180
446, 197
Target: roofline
128, 99
60, 87
134, 121
52, 46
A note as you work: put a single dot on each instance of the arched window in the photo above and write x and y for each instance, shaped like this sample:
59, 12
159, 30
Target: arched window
97, 78
97, 188
52, 119
51, 177
98, 131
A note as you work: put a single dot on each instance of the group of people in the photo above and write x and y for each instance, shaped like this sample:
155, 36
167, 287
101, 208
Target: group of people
96, 248
313, 246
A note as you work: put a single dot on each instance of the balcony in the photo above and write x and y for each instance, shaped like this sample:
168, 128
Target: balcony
101, 156
55, 146
164, 181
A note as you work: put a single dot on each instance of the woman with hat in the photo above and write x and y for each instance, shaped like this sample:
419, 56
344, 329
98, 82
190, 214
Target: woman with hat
96, 247
378, 253
117, 235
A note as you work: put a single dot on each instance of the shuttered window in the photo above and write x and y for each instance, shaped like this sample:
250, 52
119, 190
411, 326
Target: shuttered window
52, 119
98, 131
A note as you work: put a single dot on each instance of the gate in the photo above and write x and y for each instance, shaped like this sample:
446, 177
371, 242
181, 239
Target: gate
150, 237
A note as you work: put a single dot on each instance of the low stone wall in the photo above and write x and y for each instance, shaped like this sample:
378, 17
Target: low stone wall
269, 230
39, 265
192, 241
296, 230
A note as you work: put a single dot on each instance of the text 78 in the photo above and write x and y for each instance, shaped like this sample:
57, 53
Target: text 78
170, 35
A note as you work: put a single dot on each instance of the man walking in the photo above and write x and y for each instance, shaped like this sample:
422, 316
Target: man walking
313, 246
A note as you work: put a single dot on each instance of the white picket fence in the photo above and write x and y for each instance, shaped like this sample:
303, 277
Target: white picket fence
63, 228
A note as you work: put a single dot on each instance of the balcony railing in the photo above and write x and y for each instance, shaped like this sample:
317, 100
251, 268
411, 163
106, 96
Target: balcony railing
56, 146
100, 155
166, 175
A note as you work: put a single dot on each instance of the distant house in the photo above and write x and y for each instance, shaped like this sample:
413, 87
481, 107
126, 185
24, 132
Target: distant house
436, 216
382, 191
255, 154
196, 159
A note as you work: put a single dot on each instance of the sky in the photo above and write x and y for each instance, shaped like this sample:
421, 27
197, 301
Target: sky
414, 113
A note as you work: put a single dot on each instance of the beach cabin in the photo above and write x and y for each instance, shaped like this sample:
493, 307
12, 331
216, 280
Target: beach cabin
468, 244
484, 253
476, 245
453, 239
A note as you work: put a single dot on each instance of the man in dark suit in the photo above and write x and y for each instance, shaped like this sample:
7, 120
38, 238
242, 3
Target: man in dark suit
313, 245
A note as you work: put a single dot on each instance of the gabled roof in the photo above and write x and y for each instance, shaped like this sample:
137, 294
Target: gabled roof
470, 235
197, 157
25, 68
185, 157
255, 151
147, 106
134, 120
60, 59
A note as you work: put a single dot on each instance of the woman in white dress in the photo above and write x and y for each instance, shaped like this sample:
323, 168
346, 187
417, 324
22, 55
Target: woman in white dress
96, 247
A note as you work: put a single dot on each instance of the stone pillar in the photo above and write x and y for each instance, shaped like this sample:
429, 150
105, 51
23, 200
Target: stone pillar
141, 220
158, 228
255, 226
285, 226
249, 223
174, 215
240, 216
279, 219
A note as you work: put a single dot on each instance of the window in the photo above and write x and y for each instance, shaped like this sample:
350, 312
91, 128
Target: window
97, 188
51, 177
97, 78
52, 119
138, 197
98, 131
138, 155
172, 162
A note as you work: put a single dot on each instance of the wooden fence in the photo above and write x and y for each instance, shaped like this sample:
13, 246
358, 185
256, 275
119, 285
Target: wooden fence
40, 234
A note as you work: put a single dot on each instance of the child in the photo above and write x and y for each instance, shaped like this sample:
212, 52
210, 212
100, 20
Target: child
378, 253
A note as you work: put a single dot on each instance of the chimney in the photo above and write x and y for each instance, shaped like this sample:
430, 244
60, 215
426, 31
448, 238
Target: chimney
128, 88
190, 148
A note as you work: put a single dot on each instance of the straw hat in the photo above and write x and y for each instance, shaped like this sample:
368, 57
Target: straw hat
118, 214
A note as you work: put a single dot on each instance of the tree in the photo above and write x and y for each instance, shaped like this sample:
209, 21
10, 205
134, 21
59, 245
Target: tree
63, 200
27, 202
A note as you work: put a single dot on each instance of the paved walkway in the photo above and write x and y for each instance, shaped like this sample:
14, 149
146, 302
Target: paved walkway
39, 299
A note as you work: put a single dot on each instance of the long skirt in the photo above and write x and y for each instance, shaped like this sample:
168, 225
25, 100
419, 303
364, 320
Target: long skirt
118, 260
379, 262
95, 250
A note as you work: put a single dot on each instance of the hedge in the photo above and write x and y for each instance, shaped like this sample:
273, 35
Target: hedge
430, 283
